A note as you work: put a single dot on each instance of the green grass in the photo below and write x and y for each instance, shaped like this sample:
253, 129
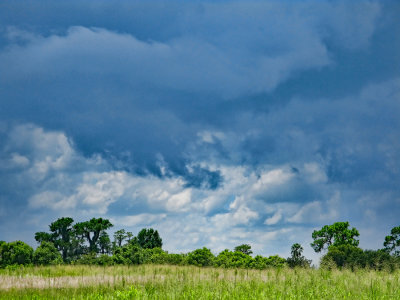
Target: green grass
187, 282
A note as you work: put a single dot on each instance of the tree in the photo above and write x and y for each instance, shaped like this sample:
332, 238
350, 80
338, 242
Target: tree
60, 236
15, 253
335, 234
344, 255
297, 260
104, 243
119, 237
392, 241
201, 257
91, 231
43, 237
46, 254
245, 248
149, 238
129, 236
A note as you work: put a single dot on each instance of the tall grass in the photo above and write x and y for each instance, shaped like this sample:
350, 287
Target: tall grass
188, 282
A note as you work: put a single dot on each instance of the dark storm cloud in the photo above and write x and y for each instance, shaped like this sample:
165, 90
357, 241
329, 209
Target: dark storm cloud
259, 117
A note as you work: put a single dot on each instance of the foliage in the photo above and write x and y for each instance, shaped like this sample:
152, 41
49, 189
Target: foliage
297, 259
344, 256
91, 230
119, 237
201, 257
229, 259
15, 253
149, 238
335, 234
244, 248
92, 258
46, 254
104, 243
352, 257
60, 236
392, 241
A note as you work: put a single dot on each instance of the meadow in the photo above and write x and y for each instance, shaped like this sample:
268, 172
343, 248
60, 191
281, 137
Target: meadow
190, 282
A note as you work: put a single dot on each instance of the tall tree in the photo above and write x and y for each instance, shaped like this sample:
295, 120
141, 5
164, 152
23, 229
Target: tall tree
43, 237
297, 259
149, 238
119, 237
392, 241
104, 243
60, 236
335, 234
91, 230
129, 236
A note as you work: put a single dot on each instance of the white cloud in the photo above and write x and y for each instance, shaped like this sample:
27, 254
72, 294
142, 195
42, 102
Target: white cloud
274, 219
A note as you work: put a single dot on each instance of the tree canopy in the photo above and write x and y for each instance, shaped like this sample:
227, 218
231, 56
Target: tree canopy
149, 238
335, 234
91, 230
244, 248
392, 241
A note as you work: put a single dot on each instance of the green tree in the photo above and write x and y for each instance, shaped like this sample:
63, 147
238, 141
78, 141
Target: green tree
149, 238
46, 254
17, 252
119, 237
201, 257
392, 241
43, 237
244, 248
61, 233
344, 255
297, 259
236, 259
335, 234
91, 231
104, 243
129, 236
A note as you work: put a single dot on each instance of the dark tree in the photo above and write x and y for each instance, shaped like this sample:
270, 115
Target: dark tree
119, 237
297, 259
129, 236
104, 243
392, 241
91, 231
245, 248
335, 234
149, 238
43, 237
60, 236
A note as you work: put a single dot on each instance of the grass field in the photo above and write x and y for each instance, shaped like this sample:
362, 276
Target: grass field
187, 282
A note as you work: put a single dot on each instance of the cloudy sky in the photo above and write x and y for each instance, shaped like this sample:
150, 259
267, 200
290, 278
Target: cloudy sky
215, 122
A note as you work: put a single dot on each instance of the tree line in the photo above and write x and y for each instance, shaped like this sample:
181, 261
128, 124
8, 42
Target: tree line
89, 243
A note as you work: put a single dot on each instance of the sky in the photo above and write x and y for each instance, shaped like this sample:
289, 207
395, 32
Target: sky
217, 123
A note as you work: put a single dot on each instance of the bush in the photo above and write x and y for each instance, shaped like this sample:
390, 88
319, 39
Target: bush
47, 254
15, 253
275, 261
177, 259
236, 259
344, 256
201, 257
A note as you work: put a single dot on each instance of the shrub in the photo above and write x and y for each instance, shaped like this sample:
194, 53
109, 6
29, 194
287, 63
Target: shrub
47, 254
17, 252
236, 259
201, 257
